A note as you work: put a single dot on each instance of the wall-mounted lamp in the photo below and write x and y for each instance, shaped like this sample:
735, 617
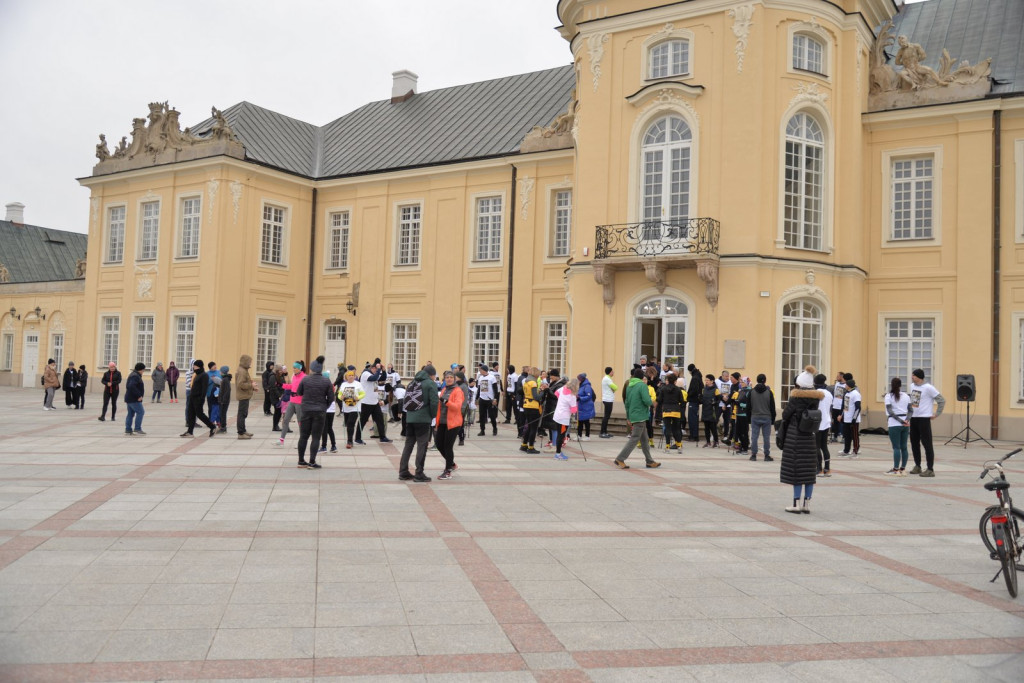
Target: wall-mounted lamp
350, 307
39, 313
14, 313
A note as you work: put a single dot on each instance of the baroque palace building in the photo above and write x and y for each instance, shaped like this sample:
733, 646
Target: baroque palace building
752, 185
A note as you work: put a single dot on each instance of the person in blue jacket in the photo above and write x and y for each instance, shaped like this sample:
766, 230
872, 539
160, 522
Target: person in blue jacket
585, 401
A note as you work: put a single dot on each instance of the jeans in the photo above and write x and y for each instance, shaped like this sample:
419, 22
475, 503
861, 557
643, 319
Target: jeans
136, 410
921, 432
693, 420
156, 396
418, 436
607, 414
311, 426
761, 427
243, 412
898, 439
637, 434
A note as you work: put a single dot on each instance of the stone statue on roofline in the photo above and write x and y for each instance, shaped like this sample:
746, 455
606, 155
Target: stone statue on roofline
102, 152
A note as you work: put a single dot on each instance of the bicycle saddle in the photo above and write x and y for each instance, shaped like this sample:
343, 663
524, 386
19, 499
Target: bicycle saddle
997, 485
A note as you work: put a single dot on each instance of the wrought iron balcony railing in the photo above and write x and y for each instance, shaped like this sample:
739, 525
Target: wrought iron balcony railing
698, 236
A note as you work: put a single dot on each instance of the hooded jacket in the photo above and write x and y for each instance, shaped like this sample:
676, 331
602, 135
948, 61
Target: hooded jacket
425, 414
585, 399
638, 400
200, 383
243, 380
693, 392
762, 402
134, 389
315, 390
799, 450
159, 379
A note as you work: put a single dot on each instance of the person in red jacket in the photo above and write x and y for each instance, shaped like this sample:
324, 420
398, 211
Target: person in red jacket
449, 421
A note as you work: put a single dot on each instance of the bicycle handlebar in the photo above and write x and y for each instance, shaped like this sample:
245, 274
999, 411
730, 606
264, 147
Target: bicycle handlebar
997, 463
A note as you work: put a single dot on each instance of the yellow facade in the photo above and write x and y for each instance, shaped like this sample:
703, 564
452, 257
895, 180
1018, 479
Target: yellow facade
737, 96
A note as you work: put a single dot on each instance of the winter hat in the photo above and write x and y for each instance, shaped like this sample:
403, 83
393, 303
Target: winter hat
139, 367
461, 376
820, 379
224, 369
805, 380
736, 375
919, 373
316, 367
582, 376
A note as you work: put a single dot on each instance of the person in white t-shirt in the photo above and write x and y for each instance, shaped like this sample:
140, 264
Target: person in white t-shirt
373, 379
838, 391
488, 385
897, 407
923, 399
510, 393
608, 389
851, 418
350, 394
825, 407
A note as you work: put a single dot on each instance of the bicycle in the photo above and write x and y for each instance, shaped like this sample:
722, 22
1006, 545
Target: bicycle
1001, 524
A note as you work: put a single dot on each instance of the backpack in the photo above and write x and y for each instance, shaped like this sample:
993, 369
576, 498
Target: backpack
413, 397
810, 421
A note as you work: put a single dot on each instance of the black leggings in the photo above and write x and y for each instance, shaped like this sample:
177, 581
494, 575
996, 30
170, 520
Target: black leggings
710, 429
350, 424
532, 425
172, 390
328, 431
582, 426
607, 414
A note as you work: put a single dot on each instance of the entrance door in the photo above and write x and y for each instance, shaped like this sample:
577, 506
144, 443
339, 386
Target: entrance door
30, 360
334, 346
661, 330
648, 338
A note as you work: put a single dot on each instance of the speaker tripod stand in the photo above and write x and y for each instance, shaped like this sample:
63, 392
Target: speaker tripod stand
964, 434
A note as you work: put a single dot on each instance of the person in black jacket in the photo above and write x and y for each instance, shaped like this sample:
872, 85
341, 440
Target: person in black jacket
134, 392
111, 390
317, 393
197, 401
800, 446
224, 399
83, 382
670, 401
549, 402
693, 393
69, 384
268, 381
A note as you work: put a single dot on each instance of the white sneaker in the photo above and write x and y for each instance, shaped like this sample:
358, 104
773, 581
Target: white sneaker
586, 438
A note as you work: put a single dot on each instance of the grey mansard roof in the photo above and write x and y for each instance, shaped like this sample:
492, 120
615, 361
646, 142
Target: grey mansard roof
35, 254
464, 122
973, 30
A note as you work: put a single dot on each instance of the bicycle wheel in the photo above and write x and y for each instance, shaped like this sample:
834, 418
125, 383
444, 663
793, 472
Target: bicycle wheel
1008, 558
985, 528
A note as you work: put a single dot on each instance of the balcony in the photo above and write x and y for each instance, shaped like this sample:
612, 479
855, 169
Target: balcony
654, 247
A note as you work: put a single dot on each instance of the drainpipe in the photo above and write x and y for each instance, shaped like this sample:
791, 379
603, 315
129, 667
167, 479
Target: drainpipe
511, 270
309, 290
997, 179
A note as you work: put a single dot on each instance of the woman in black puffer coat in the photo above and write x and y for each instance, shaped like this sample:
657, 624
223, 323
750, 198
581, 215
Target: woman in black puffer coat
800, 449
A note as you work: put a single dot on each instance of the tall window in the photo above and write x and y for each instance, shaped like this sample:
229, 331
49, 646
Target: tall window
486, 343
184, 340
337, 240
57, 350
115, 234
268, 334
808, 54
404, 338
488, 228
150, 235
7, 352
912, 198
909, 344
805, 151
556, 341
191, 210
409, 235
666, 173
561, 222
272, 241
144, 340
801, 341
671, 58
111, 331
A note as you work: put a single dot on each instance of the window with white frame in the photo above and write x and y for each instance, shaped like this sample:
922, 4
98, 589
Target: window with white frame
110, 328
188, 241
115, 235
272, 239
486, 343
912, 195
801, 341
909, 344
404, 339
561, 222
556, 342
268, 335
149, 236
488, 229
670, 58
808, 53
666, 177
337, 240
184, 340
144, 326
804, 183
7, 352
57, 349
408, 235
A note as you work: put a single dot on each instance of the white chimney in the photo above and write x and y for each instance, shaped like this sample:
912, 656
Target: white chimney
15, 212
404, 85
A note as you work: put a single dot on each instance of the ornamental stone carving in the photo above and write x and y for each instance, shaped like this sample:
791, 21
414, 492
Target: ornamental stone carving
742, 17
914, 83
559, 135
808, 92
158, 139
526, 184
5, 275
211, 191
595, 48
707, 271
604, 275
80, 266
655, 273
236, 197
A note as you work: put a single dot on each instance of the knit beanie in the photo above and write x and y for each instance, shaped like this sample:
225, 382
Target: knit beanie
805, 380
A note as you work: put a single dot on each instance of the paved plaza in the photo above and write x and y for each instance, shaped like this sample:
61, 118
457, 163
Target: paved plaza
159, 558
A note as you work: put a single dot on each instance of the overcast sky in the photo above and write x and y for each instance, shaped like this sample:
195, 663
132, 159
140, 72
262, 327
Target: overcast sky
73, 69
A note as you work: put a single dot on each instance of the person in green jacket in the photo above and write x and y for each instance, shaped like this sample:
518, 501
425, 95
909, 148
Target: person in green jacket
638, 409
417, 422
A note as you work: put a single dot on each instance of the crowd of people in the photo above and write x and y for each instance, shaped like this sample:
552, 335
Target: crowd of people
439, 410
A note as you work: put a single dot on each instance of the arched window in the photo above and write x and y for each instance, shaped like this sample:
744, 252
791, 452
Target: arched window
808, 53
670, 58
666, 171
801, 340
804, 183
